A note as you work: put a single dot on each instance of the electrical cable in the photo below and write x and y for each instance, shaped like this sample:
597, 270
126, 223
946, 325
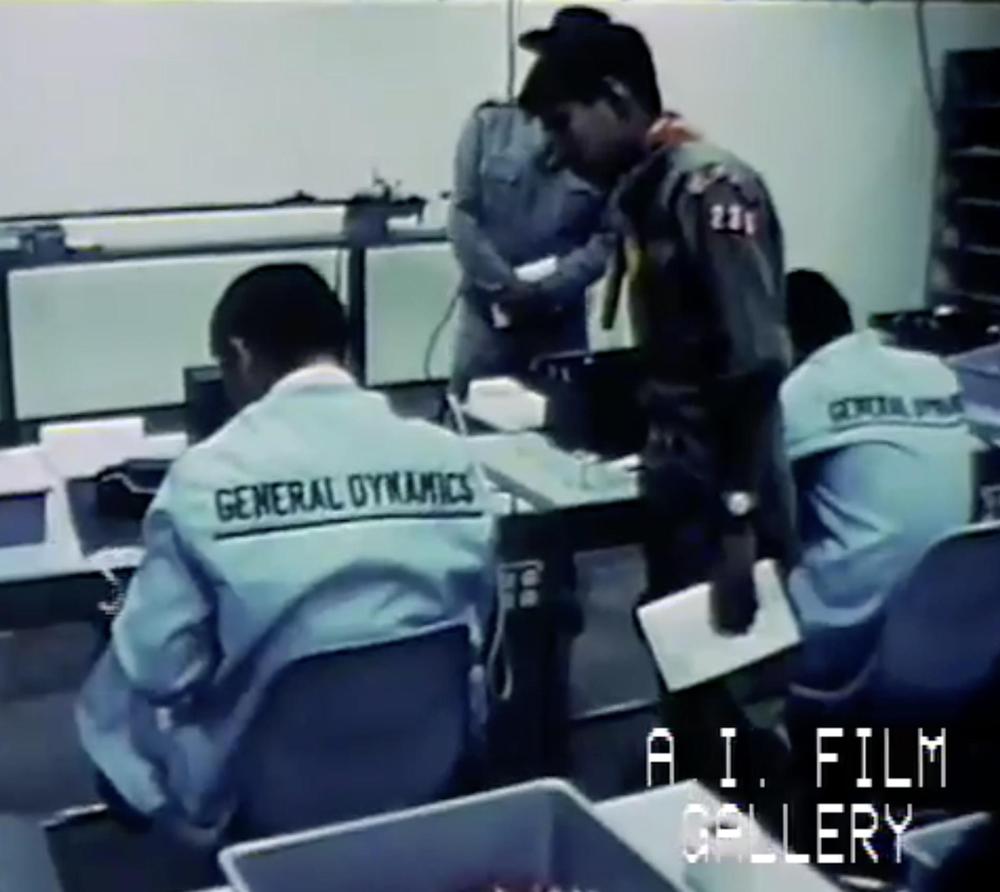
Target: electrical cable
432, 341
496, 652
927, 71
105, 561
511, 48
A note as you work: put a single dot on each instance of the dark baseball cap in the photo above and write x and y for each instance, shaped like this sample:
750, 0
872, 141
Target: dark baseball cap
567, 22
580, 50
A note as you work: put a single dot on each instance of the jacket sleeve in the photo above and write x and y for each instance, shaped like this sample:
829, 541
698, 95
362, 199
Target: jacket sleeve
732, 235
804, 408
580, 268
164, 637
479, 259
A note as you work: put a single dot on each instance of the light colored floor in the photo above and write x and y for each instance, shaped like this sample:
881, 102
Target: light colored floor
42, 767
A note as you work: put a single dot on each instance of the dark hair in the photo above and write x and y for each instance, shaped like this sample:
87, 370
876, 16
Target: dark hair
817, 311
286, 314
576, 65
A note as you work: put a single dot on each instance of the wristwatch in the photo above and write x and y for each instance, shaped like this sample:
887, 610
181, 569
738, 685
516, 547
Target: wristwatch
739, 503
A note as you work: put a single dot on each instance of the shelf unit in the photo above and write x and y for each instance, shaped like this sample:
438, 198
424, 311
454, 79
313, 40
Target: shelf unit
964, 266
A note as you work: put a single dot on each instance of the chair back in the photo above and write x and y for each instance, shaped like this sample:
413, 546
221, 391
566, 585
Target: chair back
358, 732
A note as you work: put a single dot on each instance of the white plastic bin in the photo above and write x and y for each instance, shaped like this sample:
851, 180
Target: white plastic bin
925, 849
979, 374
539, 832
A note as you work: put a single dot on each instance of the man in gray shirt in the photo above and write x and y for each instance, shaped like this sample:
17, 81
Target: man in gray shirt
514, 205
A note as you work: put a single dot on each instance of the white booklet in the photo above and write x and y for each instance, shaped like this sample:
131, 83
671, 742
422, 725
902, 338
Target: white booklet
687, 648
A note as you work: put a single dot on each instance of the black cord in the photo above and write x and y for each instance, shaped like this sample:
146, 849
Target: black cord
511, 48
927, 70
432, 341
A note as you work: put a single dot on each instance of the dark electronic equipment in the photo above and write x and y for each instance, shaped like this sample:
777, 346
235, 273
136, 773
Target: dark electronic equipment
125, 491
206, 405
368, 213
945, 330
593, 400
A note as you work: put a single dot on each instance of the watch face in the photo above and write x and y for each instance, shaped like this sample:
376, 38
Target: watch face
739, 504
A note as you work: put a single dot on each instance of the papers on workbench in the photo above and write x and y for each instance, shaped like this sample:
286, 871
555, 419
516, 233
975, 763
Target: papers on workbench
686, 646
538, 472
505, 404
23, 471
84, 448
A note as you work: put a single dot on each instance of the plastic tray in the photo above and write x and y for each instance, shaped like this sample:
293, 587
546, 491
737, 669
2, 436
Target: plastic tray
979, 374
542, 832
926, 848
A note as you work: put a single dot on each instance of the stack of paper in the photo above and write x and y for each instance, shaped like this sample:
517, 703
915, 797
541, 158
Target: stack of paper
83, 448
23, 471
686, 646
505, 404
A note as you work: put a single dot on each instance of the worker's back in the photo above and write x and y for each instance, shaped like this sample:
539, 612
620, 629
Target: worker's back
315, 521
883, 463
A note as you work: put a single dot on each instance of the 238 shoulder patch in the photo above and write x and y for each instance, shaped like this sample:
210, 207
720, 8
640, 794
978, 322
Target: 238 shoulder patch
725, 200
734, 218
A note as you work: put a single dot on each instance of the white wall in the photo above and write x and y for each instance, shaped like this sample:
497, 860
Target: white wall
106, 105
110, 104
113, 337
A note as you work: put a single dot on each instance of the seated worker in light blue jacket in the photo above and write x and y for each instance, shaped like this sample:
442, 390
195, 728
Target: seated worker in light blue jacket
883, 467
315, 520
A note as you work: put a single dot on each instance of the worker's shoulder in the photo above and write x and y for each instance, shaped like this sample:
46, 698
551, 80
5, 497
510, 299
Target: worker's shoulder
918, 368
438, 441
836, 367
860, 362
804, 386
494, 112
698, 166
698, 154
200, 466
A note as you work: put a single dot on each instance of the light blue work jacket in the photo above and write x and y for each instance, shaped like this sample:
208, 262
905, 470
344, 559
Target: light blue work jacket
316, 520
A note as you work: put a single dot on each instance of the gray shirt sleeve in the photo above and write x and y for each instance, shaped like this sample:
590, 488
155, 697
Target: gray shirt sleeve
480, 261
580, 268
733, 237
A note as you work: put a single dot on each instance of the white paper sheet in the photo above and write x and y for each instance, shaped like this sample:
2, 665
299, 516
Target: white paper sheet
538, 270
505, 404
23, 471
687, 648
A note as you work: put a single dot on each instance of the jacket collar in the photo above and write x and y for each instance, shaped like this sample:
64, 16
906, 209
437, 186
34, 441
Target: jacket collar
667, 134
322, 374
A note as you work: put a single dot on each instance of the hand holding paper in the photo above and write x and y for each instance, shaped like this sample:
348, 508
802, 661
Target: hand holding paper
689, 650
733, 595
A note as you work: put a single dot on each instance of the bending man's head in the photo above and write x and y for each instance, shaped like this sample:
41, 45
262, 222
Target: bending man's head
593, 87
817, 312
271, 321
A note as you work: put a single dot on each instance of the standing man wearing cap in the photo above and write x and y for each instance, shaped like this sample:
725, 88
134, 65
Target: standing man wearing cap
701, 245
528, 236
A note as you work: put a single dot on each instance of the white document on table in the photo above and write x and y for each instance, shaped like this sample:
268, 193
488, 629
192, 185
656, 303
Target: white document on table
687, 648
505, 404
22, 471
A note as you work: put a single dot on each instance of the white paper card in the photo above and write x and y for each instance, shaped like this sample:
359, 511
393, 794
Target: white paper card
538, 270
505, 404
23, 471
501, 319
82, 448
687, 648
